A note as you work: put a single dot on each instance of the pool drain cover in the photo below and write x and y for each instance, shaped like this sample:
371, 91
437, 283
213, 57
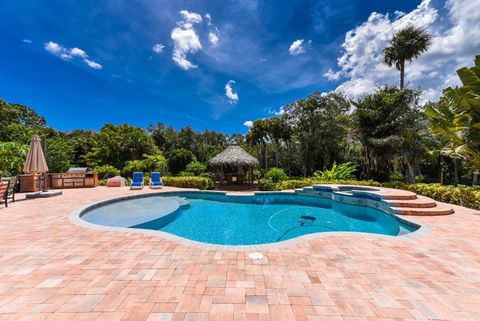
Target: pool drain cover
255, 255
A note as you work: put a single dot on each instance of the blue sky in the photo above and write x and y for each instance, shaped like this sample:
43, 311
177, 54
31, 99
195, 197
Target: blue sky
216, 64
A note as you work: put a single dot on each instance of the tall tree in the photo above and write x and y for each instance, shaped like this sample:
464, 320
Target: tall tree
279, 132
258, 136
406, 45
387, 124
115, 145
319, 126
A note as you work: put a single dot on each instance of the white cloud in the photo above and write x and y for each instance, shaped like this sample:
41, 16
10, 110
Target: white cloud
92, 64
455, 42
190, 17
232, 96
332, 75
208, 17
296, 47
70, 53
185, 39
77, 52
248, 124
27, 41
158, 48
53, 47
213, 38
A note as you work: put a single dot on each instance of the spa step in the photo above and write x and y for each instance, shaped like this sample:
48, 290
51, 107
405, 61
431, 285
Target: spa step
182, 200
439, 209
396, 194
419, 202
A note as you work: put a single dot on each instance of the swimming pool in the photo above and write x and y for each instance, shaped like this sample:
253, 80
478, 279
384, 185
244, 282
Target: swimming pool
217, 218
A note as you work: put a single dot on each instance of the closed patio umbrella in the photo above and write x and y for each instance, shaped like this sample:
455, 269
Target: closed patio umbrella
35, 162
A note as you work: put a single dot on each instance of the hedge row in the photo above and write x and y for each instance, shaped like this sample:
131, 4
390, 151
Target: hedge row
188, 182
459, 195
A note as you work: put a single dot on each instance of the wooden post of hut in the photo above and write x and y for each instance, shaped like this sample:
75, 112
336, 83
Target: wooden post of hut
233, 166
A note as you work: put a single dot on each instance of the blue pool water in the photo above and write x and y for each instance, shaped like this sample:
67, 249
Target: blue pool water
245, 220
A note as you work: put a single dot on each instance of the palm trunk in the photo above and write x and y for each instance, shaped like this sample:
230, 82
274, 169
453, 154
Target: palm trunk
306, 162
475, 178
410, 173
402, 75
266, 157
277, 154
455, 171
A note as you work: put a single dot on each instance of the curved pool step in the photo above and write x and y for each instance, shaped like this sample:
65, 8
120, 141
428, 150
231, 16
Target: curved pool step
396, 194
402, 202
438, 209
419, 202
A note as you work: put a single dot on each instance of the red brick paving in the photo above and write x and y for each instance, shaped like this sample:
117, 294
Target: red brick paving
51, 269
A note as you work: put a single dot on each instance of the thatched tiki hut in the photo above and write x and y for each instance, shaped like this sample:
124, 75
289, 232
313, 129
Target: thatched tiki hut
233, 166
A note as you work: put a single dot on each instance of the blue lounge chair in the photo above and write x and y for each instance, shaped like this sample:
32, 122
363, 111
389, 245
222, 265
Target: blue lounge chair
156, 180
137, 180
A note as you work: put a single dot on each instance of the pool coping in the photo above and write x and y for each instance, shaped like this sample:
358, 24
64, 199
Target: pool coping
75, 218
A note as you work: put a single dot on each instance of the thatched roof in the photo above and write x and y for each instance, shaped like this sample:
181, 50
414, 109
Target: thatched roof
234, 155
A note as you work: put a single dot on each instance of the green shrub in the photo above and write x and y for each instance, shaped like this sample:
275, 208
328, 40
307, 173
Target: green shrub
295, 183
396, 177
341, 171
202, 183
106, 171
276, 175
267, 184
196, 168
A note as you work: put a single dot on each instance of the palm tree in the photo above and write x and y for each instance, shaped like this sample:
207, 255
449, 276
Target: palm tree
455, 119
406, 45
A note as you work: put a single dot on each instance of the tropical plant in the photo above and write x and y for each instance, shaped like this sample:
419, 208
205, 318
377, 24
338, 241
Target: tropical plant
276, 175
455, 119
406, 45
12, 157
341, 171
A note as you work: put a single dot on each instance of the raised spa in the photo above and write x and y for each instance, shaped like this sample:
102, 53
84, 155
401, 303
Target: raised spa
217, 218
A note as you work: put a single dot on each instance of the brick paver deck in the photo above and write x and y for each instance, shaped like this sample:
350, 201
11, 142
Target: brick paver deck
51, 269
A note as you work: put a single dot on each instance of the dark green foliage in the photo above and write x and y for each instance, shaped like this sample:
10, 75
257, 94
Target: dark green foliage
319, 125
388, 127
178, 159
115, 145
